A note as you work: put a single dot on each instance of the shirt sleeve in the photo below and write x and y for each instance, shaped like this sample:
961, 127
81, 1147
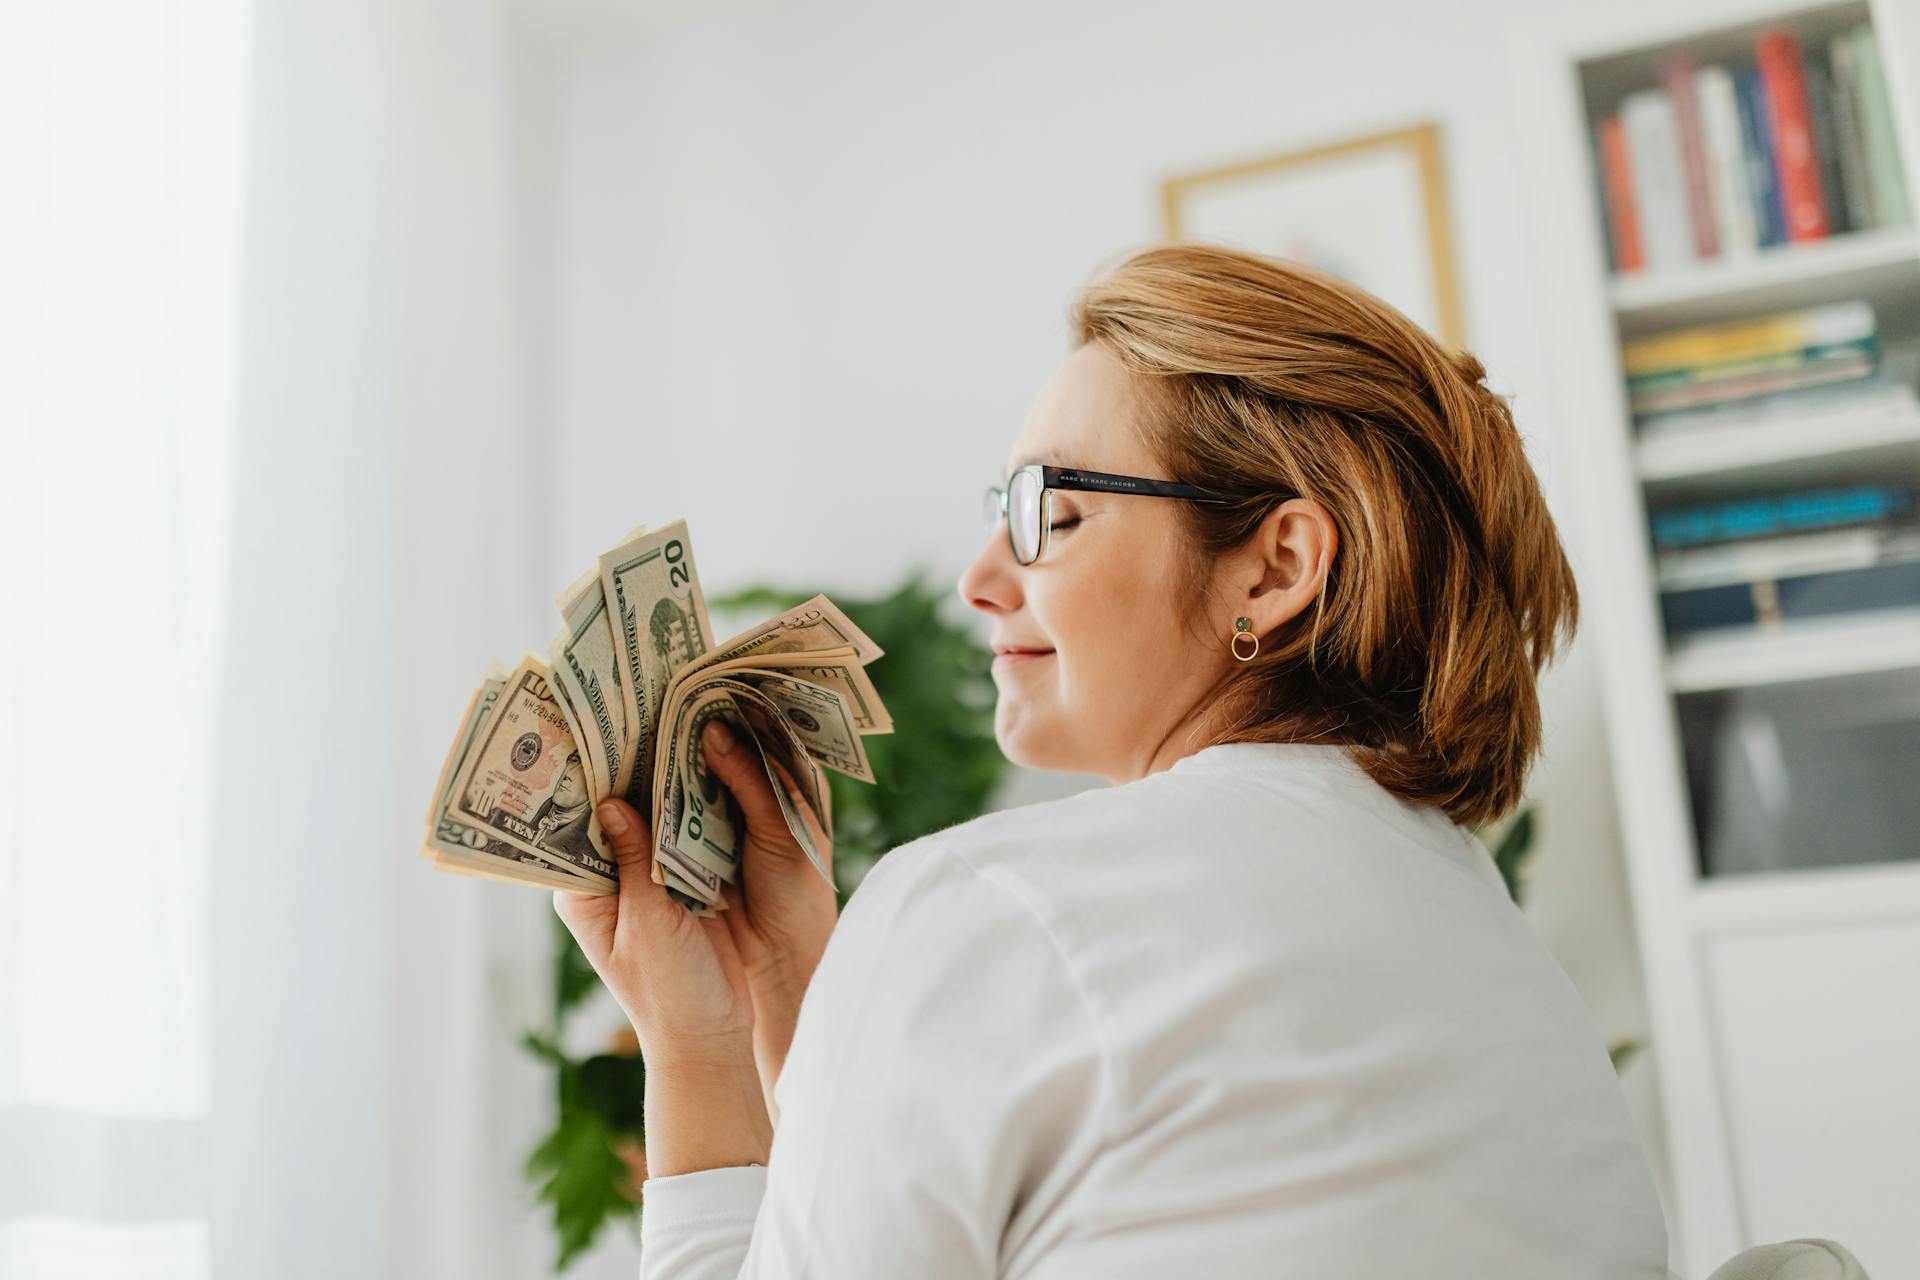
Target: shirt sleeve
944, 1089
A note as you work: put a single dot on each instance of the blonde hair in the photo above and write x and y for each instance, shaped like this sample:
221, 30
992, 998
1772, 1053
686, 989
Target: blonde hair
1449, 590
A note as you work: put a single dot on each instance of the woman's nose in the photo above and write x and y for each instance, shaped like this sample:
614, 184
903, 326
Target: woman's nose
991, 582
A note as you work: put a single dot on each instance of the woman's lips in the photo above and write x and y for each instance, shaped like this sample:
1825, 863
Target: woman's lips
1017, 657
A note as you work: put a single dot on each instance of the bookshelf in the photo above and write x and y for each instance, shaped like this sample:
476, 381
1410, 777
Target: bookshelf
1780, 996
1818, 447
1881, 266
1883, 640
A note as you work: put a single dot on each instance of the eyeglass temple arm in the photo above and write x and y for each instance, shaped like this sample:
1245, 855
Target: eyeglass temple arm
1106, 482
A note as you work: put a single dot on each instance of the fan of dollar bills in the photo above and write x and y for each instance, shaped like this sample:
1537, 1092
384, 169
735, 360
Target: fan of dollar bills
618, 707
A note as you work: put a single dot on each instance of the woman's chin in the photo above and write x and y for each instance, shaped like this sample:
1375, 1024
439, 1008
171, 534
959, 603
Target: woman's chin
1024, 742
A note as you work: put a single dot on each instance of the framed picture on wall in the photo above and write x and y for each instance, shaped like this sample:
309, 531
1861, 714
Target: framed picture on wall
1371, 210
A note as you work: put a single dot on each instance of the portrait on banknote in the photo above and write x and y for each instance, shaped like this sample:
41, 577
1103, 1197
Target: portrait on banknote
560, 823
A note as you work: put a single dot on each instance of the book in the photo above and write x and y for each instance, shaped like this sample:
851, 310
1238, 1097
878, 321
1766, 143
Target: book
1876, 127
1856, 189
1792, 556
1735, 228
1770, 334
1777, 54
1765, 377
1763, 179
1826, 153
1772, 600
1877, 394
1796, 511
1659, 184
1811, 361
1677, 74
1616, 173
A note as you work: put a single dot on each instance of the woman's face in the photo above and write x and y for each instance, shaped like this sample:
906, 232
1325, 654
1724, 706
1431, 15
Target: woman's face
1097, 663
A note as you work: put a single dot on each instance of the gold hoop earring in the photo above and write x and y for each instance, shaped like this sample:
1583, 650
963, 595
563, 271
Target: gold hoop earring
1241, 632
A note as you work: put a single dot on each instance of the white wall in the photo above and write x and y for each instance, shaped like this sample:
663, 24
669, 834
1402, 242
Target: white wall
800, 272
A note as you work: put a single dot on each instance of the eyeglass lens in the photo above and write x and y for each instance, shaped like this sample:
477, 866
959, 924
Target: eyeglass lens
1020, 503
1023, 515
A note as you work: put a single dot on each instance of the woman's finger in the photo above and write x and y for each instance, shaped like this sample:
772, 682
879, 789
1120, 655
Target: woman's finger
590, 919
808, 818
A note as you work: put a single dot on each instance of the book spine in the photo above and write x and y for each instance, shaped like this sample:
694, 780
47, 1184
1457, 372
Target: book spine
1736, 395
1876, 119
1827, 551
1604, 215
1772, 361
1751, 385
1678, 76
1778, 54
1726, 162
1825, 153
1762, 176
1892, 584
1782, 331
1623, 222
1855, 185
1799, 511
1688, 611
1876, 395
1659, 186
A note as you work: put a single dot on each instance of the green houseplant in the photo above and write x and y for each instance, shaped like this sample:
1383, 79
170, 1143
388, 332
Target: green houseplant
939, 767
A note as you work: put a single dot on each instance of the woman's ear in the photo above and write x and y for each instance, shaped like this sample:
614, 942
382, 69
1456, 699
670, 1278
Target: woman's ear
1284, 565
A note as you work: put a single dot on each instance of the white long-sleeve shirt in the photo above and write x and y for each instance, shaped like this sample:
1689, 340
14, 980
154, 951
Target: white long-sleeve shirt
1252, 1016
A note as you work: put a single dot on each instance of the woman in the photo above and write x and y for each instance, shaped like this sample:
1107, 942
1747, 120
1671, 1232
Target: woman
1275, 564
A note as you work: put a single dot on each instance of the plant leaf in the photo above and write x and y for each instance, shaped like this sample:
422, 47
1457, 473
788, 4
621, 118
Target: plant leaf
582, 1178
1514, 852
573, 976
615, 1086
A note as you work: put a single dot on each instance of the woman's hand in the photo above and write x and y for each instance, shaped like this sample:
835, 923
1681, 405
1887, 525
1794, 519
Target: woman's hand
681, 981
782, 911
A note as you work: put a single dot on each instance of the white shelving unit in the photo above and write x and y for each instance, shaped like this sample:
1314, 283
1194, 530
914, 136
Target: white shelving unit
1802, 649
1783, 1004
1759, 453
1883, 265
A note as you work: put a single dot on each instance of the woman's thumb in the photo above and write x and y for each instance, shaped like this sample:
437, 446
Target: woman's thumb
742, 773
627, 836
641, 905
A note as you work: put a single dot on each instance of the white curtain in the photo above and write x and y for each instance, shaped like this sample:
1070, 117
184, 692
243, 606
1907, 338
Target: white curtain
371, 1107
271, 503
122, 135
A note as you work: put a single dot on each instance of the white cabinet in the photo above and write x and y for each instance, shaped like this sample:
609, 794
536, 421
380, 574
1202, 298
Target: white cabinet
1823, 1119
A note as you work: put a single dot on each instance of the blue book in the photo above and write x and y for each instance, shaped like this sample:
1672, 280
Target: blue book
1756, 147
1786, 513
1884, 586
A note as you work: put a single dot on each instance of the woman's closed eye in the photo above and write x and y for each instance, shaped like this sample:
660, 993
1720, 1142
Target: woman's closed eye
1065, 522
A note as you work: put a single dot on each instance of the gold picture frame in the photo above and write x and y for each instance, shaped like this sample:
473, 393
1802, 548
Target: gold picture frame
1340, 207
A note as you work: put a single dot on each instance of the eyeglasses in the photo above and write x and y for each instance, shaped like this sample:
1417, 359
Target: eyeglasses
1027, 501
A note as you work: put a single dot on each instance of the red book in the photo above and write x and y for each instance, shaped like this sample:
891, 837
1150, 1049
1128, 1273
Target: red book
1777, 54
1678, 78
1623, 224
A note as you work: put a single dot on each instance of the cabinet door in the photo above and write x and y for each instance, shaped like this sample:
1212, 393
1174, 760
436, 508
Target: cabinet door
1817, 1035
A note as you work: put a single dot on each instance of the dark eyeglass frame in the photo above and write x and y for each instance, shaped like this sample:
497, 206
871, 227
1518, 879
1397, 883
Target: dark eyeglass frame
1073, 478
